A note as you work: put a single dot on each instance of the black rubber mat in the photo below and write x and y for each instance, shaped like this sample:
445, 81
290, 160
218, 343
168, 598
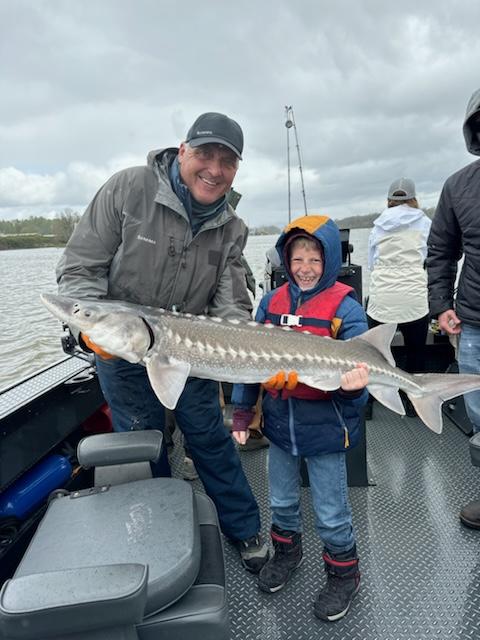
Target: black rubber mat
419, 565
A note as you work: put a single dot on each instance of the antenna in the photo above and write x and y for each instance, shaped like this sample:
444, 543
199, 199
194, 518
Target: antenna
290, 124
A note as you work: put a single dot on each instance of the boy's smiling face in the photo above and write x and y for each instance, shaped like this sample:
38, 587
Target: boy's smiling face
306, 265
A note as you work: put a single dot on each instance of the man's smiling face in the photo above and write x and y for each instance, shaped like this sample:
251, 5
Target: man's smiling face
207, 171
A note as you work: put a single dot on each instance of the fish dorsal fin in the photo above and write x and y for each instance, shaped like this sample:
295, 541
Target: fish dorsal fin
381, 338
168, 379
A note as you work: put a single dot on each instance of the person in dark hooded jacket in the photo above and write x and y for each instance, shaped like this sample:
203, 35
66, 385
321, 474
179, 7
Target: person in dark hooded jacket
455, 233
304, 422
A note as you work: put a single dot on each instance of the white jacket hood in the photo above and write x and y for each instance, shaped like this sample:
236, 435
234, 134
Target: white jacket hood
399, 216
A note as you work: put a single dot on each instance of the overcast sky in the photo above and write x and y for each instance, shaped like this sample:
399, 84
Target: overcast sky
378, 88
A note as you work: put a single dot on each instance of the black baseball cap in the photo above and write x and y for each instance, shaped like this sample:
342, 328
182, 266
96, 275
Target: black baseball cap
211, 128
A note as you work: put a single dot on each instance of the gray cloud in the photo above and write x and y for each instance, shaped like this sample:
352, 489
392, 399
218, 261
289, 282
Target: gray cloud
378, 90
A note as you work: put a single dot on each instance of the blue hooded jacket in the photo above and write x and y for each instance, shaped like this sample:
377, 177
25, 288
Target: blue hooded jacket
312, 427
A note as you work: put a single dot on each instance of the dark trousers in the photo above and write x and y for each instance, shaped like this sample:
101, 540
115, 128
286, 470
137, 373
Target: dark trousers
134, 405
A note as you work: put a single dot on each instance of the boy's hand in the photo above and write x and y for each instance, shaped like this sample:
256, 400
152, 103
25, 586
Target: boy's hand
241, 436
281, 380
355, 379
241, 420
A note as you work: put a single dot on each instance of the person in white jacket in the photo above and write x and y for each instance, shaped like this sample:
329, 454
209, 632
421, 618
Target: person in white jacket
397, 250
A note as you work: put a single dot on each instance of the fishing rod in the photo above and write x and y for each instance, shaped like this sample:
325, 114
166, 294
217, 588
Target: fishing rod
290, 124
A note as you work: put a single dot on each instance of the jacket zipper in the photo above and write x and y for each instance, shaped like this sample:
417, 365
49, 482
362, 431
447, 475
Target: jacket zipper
346, 435
291, 428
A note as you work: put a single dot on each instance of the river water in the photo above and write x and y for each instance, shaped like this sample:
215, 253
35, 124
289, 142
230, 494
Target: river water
30, 336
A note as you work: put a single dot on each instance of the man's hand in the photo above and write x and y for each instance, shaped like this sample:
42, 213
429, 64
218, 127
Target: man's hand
281, 380
449, 322
355, 379
241, 420
95, 348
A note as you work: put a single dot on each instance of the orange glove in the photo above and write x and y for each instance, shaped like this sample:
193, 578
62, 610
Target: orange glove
95, 348
282, 381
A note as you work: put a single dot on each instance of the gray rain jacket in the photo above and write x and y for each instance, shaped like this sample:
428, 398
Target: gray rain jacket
134, 242
455, 231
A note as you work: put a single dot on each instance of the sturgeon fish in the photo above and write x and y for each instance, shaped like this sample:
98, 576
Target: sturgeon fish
174, 346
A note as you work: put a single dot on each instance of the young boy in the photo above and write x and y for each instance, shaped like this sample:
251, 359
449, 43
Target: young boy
303, 422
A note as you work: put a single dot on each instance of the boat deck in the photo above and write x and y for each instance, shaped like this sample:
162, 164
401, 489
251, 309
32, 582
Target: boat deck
419, 565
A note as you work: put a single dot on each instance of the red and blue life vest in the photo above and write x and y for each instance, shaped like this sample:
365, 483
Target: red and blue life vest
316, 315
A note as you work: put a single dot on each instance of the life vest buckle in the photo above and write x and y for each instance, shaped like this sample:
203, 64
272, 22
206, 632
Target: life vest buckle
289, 320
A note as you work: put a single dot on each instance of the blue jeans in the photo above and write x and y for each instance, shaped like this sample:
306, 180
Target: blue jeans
134, 405
329, 489
469, 362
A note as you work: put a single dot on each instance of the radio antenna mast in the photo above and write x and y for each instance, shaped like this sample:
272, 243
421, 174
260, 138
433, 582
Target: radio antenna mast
290, 124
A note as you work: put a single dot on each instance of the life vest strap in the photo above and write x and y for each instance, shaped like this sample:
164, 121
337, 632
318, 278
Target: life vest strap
291, 320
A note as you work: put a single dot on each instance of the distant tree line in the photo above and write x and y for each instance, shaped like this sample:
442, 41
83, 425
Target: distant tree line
37, 231
366, 221
268, 230
352, 222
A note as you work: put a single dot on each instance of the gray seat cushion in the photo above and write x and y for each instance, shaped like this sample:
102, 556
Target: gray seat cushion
151, 522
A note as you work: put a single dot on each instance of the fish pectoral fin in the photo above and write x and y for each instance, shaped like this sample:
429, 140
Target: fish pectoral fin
168, 378
388, 396
327, 382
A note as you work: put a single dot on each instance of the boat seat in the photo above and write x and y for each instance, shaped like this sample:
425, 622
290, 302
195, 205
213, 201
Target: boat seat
120, 457
474, 444
141, 559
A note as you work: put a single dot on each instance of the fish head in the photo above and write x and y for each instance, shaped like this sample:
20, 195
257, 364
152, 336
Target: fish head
112, 326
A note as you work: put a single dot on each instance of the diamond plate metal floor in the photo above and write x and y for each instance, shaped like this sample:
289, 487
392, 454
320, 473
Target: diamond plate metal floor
419, 565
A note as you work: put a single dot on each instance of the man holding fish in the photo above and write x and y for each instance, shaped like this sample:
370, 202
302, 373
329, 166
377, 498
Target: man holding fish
164, 235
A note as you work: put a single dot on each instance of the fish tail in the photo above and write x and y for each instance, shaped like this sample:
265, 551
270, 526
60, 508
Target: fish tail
436, 388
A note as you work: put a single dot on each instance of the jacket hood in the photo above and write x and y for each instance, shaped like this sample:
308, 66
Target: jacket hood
159, 157
399, 216
472, 138
326, 232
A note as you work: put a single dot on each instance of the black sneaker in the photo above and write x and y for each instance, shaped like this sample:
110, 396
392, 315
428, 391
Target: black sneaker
253, 552
343, 583
286, 558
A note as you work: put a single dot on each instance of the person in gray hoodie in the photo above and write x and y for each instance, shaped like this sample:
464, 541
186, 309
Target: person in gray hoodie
455, 233
165, 235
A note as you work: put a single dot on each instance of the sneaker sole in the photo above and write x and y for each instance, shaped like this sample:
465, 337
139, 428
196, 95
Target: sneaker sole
342, 614
266, 589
